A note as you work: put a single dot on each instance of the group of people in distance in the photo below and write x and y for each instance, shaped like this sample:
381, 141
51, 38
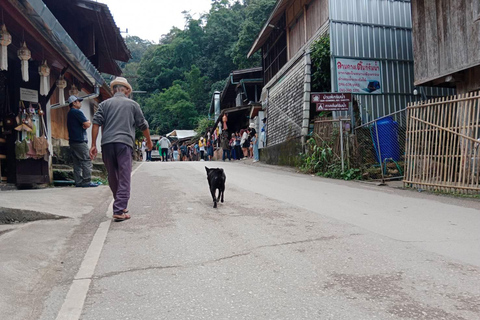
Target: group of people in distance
238, 145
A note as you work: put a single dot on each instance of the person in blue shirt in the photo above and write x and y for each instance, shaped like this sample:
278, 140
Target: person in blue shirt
77, 125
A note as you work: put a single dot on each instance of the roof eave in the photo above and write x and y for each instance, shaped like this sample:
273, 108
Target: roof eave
42, 18
266, 30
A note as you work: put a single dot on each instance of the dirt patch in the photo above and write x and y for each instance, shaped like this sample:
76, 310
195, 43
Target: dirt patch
12, 216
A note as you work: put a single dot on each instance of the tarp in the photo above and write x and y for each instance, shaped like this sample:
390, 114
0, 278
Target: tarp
181, 134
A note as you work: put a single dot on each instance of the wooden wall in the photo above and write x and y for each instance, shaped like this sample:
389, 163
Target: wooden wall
59, 123
446, 36
304, 18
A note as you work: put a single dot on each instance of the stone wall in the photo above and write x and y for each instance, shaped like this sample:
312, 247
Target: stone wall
285, 106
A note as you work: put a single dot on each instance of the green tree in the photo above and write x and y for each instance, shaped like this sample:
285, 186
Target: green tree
169, 110
256, 14
321, 73
221, 34
195, 85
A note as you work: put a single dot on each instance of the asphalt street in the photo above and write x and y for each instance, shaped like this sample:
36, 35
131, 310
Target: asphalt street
283, 245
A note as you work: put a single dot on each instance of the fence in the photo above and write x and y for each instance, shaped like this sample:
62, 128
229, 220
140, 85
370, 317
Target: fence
379, 147
442, 144
328, 131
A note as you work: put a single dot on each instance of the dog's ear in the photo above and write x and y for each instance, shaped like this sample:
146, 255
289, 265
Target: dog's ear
208, 170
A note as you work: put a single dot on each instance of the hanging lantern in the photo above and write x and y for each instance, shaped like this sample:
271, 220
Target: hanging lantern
24, 54
44, 71
73, 90
5, 40
61, 85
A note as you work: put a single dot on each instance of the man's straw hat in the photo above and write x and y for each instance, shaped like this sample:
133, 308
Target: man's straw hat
120, 81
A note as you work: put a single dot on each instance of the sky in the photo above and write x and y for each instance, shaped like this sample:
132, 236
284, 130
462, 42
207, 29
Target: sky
149, 19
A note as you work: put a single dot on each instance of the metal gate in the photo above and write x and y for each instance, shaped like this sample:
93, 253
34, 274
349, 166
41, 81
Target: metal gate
442, 149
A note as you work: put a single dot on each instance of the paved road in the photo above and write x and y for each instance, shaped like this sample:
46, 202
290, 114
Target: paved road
282, 246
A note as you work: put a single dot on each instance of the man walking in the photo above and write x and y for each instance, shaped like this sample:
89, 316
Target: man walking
118, 116
77, 125
164, 144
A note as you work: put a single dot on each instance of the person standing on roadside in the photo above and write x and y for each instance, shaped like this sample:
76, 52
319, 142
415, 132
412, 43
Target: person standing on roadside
118, 117
77, 125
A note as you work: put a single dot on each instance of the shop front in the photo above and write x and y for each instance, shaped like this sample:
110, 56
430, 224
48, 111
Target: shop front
41, 64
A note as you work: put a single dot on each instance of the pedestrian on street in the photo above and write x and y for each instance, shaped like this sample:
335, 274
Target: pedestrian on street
77, 125
164, 145
175, 151
201, 146
118, 117
144, 150
225, 144
149, 154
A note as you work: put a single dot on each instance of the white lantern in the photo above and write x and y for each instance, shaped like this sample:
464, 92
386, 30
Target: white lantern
44, 71
61, 85
73, 90
5, 40
24, 54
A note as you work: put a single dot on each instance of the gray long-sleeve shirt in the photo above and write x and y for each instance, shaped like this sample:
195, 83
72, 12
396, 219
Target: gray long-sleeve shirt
119, 116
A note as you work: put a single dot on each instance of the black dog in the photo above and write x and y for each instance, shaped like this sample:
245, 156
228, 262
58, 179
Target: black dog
216, 180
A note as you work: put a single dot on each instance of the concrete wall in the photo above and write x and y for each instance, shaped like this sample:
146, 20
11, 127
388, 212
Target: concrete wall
283, 154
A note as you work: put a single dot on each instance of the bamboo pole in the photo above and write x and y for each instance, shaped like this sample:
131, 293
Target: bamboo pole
436, 167
449, 107
408, 144
453, 187
476, 167
455, 149
462, 98
443, 139
416, 147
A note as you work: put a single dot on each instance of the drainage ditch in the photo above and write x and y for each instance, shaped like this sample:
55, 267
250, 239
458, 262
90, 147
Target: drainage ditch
13, 216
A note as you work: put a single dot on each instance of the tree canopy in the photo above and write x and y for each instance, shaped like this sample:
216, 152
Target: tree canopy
181, 72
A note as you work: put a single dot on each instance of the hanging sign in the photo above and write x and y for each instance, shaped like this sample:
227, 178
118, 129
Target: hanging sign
28, 95
358, 76
332, 101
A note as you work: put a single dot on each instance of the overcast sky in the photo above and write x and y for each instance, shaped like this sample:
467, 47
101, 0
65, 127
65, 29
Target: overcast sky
149, 19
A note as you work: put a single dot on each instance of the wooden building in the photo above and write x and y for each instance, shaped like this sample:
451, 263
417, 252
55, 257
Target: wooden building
376, 33
239, 100
76, 41
446, 37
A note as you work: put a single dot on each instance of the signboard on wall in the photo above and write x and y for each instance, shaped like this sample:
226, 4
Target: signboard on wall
358, 76
28, 95
332, 101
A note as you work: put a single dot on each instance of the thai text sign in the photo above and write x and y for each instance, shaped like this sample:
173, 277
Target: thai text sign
358, 76
332, 101
28, 95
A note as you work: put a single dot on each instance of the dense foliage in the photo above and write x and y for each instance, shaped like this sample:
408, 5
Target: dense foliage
181, 72
321, 71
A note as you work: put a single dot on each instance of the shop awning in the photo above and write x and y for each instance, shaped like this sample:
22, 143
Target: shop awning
181, 134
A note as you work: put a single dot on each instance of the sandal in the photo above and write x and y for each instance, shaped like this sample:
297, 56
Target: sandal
121, 217
125, 210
